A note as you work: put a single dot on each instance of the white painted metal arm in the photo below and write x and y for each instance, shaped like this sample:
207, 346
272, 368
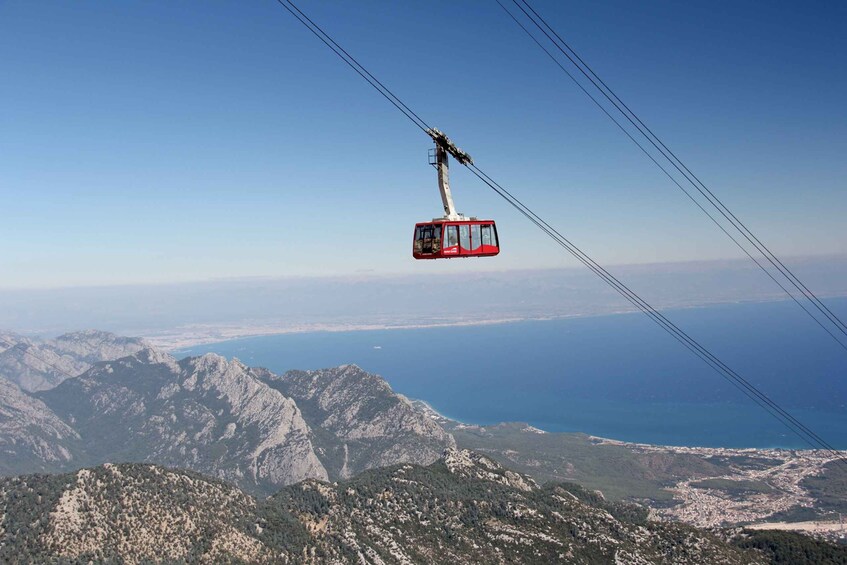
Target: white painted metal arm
443, 166
443, 148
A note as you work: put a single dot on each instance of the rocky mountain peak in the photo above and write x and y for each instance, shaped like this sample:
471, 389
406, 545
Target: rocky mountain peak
129, 514
209, 362
37, 365
32, 437
132, 513
202, 413
152, 356
95, 336
358, 422
466, 463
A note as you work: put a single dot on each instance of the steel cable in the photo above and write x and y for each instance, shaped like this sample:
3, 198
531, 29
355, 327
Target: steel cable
636, 122
750, 390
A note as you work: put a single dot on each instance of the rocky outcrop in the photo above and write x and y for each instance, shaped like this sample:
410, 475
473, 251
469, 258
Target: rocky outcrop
399, 515
32, 437
249, 426
204, 413
358, 422
125, 514
36, 365
470, 464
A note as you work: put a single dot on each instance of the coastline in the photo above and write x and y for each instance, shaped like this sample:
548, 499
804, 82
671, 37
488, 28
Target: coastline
314, 347
707, 500
206, 335
184, 337
442, 419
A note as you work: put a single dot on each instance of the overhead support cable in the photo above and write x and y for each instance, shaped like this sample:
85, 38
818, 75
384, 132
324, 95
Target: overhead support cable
792, 280
712, 197
747, 388
685, 339
673, 179
354, 64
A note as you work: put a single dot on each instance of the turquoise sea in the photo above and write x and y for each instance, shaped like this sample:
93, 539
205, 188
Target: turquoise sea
616, 376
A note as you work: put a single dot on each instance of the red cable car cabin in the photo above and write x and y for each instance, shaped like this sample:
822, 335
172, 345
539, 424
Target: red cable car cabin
454, 235
445, 239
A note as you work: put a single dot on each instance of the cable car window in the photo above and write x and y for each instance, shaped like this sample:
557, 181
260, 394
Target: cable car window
464, 237
486, 234
424, 241
475, 239
451, 236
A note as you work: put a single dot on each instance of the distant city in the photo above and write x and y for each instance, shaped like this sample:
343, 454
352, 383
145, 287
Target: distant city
179, 315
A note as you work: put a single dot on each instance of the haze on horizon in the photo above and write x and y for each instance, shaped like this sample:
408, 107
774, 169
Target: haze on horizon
165, 143
179, 313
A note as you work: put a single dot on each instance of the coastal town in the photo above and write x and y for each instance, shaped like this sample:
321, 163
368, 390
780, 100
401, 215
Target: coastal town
759, 485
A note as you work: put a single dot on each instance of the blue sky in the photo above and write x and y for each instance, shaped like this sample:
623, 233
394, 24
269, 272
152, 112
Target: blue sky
155, 142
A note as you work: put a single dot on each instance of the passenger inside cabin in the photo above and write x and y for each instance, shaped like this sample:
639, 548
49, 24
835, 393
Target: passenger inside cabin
452, 236
436, 238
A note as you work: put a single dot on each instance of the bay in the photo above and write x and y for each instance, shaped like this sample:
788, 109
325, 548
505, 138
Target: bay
617, 376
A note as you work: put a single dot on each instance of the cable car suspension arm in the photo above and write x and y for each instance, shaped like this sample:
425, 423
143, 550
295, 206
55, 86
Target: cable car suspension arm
441, 161
750, 390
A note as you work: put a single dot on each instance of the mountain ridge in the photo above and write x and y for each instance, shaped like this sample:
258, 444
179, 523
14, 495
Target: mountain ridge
457, 509
212, 415
202, 413
261, 431
37, 365
360, 423
32, 437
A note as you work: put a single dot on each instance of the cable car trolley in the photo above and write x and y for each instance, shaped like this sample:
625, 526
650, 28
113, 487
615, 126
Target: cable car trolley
453, 235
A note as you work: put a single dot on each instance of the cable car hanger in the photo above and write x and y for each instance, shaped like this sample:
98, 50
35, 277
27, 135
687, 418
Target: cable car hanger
746, 387
454, 234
